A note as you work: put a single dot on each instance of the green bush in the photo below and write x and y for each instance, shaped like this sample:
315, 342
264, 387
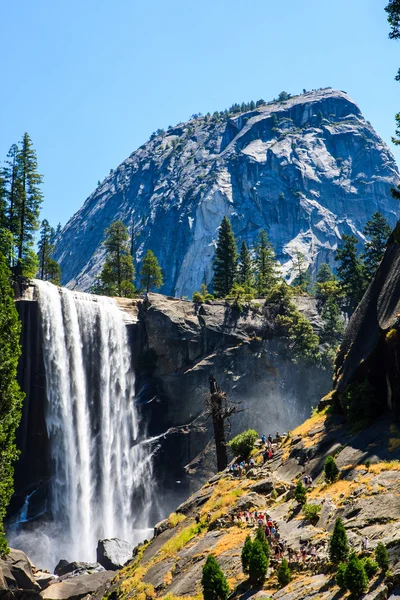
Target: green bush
243, 444
331, 470
284, 573
355, 577
197, 298
338, 545
311, 512
341, 570
258, 564
213, 581
382, 557
245, 556
370, 566
300, 493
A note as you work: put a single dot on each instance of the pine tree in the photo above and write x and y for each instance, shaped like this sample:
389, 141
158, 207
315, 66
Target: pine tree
355, 578
382, 557
265, 263
338, 545
151, 274
12, 183
377, 230
260, 536
302, 278
284, 573
350, 271
213, 581
10, 394
45, 247
225, 261
331, 470
246, 552
117, 273
245, 271
27, 206
258, 564
330, 295
325, 274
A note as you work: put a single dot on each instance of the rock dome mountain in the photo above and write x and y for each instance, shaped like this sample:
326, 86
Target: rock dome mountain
306, 170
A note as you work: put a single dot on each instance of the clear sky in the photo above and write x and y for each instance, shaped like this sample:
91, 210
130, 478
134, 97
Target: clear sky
90, 80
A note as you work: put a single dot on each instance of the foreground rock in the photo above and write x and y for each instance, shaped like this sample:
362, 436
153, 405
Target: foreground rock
77, 587
76, 568
16, 573
112, 554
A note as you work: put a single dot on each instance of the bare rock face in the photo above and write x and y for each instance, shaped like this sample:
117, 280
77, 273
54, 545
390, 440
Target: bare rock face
114, 553
306, 170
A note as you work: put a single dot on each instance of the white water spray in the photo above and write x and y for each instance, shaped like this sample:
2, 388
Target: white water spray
102, 477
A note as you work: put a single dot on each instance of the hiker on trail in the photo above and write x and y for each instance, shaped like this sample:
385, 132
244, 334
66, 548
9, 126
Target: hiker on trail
270, 440
208, 517
265, 456
263, 439
278, 436
252, 462
365, 543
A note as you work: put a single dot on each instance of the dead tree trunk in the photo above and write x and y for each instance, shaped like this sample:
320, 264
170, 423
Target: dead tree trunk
219, 412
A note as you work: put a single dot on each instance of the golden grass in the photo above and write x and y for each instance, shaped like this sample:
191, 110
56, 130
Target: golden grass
376, 468
172, 597
180, 539
167, 578
175, 518
317, 418
234, 538
334, 490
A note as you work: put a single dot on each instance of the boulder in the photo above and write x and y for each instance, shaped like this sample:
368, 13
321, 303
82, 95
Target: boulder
265, 486
17, 571
77, 568
44, 579
112, 554
76, 587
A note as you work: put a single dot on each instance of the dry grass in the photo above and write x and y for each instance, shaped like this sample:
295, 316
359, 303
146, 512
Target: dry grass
335, 490
167, 578
175, 518
172, 597
375, 469
180, 540
234, 538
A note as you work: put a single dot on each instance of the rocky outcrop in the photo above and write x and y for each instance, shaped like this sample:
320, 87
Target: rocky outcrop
114, 553
370, 350
306, 170
77, 587
366, 498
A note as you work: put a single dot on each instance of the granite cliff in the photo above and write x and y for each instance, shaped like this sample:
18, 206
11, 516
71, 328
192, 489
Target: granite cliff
307, 170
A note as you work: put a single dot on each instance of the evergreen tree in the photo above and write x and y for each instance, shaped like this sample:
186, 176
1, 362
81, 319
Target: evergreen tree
350, 271
245, 271
302, 278
325, 274
258, 564
338, 545
377, 230
12, 184
260, 536
213, 581
117, 273
27, 206
382, 557
300, 493
225, 261
246, 552
330, 295
331, 470
53, 271
265, 263
151, 274
10, 394
355, 578
284, 573
45, 248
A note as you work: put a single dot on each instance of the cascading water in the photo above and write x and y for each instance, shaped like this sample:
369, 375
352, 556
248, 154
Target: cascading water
102, 476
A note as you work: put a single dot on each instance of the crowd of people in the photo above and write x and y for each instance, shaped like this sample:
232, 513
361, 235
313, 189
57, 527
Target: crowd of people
269, 445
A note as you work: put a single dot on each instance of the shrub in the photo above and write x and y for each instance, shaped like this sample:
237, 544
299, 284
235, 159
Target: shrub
382, 557
311, 512
245, 556
213, 581
367, 464
300, 493
284, 573
370, 566
274, 494
243, 444
197, 298
331, 470
341, 570
355, 578
338, 545
258, 564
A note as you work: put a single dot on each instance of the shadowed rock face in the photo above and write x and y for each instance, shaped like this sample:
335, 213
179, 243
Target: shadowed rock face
371, 346
314, 171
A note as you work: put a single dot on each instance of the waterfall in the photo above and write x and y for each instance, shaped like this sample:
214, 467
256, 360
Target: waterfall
101, 482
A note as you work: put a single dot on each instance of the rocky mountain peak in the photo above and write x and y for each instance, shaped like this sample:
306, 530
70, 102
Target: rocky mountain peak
306, 170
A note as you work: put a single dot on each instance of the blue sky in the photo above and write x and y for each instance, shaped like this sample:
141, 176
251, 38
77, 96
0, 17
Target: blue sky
90, 80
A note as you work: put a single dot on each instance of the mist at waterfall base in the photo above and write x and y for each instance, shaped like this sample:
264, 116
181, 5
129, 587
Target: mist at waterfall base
102, 484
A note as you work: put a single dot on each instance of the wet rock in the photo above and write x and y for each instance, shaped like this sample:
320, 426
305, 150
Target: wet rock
113, 553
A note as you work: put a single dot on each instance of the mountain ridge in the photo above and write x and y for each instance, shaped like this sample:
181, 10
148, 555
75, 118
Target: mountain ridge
307, 170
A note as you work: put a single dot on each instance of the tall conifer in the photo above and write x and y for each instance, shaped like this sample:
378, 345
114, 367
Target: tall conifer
266, 275
225, 261
377, 231
118, 271
245, 270
350, 271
